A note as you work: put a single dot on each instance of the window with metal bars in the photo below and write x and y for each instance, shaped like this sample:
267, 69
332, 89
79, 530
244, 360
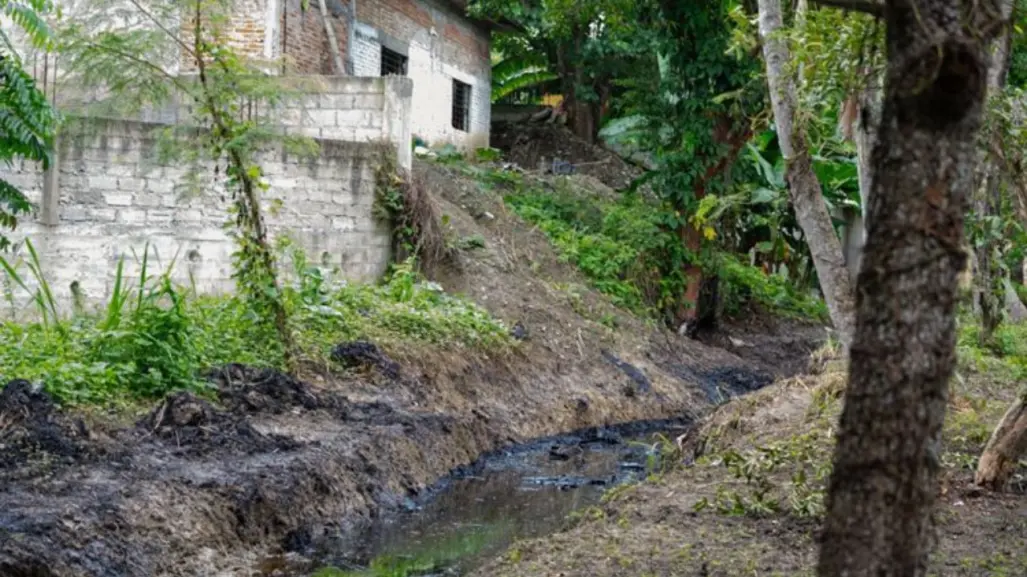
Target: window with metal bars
393, 63
461, 105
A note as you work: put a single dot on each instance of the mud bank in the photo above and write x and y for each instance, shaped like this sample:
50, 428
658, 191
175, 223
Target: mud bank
276, 464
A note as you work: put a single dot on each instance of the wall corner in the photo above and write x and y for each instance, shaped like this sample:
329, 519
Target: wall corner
399, 91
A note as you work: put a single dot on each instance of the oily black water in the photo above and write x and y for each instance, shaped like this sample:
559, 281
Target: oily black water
526, 492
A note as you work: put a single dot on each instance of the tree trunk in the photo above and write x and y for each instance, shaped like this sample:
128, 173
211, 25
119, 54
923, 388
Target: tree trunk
1005, 447
690, 310
884, 482
1009, 440
991, 285
580, 115
805, 191
868, 119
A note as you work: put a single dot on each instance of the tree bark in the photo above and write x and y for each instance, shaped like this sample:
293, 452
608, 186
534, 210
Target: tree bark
885, 477
805, 190
1005, 447
868, 119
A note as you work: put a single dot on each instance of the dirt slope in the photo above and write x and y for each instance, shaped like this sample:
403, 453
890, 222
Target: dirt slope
277, 463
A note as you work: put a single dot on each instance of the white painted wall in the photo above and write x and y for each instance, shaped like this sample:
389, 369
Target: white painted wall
432, 78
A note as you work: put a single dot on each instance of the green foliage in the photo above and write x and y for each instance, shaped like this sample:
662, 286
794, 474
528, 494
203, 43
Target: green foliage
742, 284
27, 121
1004, 355
140, 345
403, 307
153, 337
620, 245
1018, 50
614, 244
514, 77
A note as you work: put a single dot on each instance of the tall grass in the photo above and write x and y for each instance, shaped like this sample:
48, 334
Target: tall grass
154, 336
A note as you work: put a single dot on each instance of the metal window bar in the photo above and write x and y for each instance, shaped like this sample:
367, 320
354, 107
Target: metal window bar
393, 63
461, 105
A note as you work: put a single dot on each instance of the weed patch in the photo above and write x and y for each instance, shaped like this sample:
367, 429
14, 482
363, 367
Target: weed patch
782, 477
155, 337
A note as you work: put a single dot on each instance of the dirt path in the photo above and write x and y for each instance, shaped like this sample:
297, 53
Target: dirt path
277, 463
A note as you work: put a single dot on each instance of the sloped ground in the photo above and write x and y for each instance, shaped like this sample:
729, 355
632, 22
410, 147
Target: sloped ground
274, 464
704, 519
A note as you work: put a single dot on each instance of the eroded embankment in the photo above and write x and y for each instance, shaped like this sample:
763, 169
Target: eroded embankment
198, 488
276, 464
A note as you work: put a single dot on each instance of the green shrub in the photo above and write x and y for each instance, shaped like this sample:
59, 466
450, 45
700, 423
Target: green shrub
623, 249
613, 243
741, 284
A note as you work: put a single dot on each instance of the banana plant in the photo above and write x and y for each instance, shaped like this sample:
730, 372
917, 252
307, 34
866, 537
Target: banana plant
512, 75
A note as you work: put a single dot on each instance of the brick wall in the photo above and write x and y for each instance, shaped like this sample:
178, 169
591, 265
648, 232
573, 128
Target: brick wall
305, 41
113, 196
441, 44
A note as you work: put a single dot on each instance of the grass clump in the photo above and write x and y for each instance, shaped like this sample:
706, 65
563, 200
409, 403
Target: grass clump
745, 284
1006, 354
153, 336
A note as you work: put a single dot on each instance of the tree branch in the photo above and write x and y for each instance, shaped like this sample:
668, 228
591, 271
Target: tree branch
164, 28
144, 63
873, 7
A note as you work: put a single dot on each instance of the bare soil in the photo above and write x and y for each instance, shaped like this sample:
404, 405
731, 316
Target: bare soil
274, 463
534, 146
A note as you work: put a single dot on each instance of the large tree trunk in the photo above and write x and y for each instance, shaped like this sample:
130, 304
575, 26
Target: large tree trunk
884, 482
806, 195
1009, 440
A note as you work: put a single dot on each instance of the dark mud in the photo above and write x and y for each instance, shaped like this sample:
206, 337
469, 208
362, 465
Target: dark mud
268, 463
34, 435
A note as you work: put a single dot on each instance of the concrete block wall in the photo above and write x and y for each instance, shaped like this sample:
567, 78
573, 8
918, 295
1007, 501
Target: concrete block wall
356, 109
116, 198
113, 197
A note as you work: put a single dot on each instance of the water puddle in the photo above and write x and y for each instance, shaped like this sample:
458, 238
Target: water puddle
528, 492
